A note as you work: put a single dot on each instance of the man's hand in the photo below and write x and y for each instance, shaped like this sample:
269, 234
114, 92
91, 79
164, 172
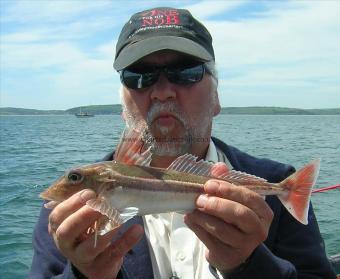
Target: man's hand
231, 221
68, 224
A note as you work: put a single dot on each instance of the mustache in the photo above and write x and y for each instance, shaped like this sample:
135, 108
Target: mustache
170, 107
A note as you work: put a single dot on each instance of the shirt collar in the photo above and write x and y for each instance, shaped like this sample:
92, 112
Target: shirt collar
214, 154
211, 153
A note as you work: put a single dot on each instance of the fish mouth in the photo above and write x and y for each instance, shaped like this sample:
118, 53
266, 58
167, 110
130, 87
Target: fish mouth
46, 195
51, 193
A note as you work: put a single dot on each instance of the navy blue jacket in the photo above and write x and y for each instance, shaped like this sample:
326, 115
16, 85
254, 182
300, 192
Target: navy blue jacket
291, 250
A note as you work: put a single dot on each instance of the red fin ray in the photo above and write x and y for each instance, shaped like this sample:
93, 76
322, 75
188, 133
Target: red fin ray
131, 149
299, 186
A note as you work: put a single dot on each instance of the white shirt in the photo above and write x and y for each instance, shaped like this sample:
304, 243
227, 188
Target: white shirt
174, 248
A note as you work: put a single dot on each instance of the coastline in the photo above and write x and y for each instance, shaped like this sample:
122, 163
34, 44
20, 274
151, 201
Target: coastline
117, 109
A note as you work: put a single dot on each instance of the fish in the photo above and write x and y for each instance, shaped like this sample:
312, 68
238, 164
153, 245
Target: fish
128, 186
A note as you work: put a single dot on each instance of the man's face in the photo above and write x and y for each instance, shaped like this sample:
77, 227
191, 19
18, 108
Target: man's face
175, 117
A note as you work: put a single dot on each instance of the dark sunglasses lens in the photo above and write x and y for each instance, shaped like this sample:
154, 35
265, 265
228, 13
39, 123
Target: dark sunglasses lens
186, 76
135, 80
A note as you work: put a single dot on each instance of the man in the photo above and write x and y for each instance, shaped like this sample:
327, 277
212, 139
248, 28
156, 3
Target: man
166, 63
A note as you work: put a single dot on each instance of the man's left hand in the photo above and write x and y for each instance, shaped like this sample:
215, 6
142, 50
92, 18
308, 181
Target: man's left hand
231, 221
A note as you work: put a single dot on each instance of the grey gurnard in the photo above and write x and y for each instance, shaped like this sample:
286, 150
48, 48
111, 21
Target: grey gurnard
128, 186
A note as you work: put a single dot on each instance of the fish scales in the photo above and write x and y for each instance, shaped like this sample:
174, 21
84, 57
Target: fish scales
158, 173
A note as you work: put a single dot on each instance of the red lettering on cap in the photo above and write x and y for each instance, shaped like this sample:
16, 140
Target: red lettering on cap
159, 21
173, 12
161, 12
147, 21
160, 17
173, 19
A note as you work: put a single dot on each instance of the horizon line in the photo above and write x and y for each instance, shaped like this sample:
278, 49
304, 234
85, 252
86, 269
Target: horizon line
254, 106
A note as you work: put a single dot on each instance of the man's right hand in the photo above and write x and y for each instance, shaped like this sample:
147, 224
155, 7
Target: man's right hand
68, 224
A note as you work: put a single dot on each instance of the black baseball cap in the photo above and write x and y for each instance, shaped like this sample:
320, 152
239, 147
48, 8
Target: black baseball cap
162, 29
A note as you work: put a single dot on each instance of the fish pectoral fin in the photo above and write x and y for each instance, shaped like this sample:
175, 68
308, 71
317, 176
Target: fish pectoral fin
128, 213
124, 216
114, 216
101, 205
106, 225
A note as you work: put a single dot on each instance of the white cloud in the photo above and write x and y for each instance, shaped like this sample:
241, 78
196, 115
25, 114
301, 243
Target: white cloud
92, 81
50, 11
288, 48
108, 50
71, 31
293, 49
36, 56
206, 9
63, 74
50, 63
292, 35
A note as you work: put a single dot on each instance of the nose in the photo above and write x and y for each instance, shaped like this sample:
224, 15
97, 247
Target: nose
163, 90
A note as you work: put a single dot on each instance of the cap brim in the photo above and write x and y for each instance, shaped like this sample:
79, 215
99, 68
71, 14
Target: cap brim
138, 50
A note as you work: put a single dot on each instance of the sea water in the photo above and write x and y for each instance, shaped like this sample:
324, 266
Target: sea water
35, 150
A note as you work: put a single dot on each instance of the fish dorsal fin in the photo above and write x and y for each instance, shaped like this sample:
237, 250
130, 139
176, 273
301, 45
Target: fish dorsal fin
243, 177
131, 149
188, 163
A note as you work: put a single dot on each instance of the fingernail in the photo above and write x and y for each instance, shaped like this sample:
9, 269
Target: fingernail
201, 200
51, 204
87, 195
211, 186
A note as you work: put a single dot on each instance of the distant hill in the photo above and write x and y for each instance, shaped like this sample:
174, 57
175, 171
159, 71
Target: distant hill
117, 109
24, 111
97, 110
279, 111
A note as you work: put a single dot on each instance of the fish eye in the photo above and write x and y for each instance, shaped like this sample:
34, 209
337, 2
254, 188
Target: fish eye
75, 177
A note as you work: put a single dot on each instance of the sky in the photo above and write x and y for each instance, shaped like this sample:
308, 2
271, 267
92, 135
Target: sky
59, 54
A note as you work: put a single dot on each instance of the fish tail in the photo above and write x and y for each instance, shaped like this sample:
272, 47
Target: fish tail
299, 188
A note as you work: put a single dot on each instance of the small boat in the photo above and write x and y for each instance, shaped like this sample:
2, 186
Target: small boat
84, 114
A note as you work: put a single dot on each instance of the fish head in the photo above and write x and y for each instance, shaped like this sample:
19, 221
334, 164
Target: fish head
93, 177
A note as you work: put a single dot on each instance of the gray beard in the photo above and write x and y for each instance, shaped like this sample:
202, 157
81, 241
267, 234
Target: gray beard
173, 147
168, 145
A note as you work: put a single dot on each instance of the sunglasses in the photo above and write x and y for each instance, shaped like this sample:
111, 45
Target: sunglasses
143, 75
